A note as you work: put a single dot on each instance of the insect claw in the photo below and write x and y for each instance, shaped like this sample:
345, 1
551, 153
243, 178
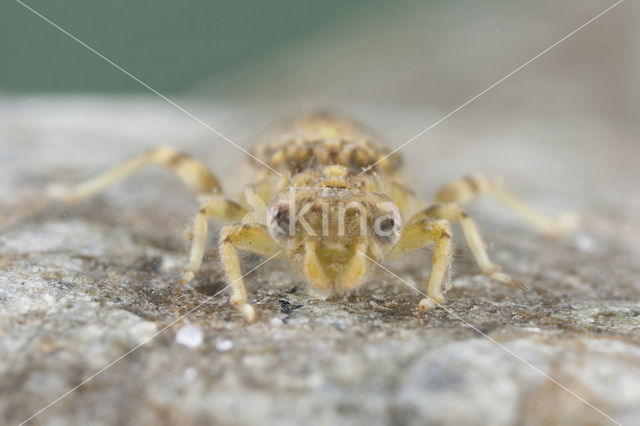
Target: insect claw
188, 276
427, 304
61, 193
520, 285
564, 224
248, 312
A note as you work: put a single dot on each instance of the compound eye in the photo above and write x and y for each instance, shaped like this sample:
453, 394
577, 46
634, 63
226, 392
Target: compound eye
388, 226
278, 221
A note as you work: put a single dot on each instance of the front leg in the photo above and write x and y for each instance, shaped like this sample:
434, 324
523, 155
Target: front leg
418, 235
453, 213
250, 237
216, 208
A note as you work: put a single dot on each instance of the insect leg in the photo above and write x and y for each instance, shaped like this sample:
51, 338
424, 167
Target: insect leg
465, 189
418, 235
192, 172
453, 213
218, 209
248, 237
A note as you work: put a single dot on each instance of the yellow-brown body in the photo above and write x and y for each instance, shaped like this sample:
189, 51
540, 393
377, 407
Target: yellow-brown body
338, 169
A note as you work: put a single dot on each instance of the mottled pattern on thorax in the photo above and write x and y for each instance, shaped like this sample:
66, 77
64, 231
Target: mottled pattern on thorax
322, 140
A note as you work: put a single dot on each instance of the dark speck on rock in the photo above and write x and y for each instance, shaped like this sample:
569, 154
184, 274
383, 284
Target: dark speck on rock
287, 308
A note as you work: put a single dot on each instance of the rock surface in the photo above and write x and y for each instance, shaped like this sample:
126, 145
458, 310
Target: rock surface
91, 292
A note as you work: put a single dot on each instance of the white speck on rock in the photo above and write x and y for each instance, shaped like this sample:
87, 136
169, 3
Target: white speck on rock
585, 243
275, 321
190, 336
171, 262
142, 331
224, 345
190, 374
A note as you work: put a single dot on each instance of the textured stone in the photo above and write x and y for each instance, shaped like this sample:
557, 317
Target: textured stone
80, 285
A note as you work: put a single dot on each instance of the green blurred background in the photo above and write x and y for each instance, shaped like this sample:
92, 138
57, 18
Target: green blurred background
423, 54
171, 45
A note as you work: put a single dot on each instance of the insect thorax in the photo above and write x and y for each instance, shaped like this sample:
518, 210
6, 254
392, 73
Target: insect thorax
323, 140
